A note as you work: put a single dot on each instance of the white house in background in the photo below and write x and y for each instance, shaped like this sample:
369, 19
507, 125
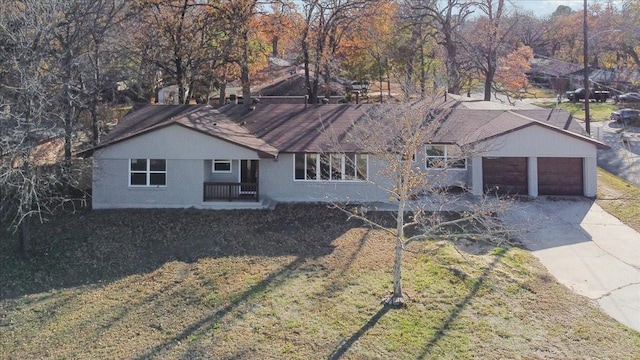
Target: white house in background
170, 95
178, 156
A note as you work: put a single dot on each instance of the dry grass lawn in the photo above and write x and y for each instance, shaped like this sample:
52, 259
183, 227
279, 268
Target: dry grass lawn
619, 198
298, 282
597, 111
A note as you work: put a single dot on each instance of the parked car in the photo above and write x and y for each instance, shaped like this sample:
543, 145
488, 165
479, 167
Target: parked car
628, 97
579, 94
362, 86
625, 115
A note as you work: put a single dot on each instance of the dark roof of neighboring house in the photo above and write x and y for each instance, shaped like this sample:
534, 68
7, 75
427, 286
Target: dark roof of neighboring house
609, 76
295, 85
273, 128
552, 67
202, 118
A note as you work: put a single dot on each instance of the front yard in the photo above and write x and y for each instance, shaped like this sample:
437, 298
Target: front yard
597, 111
297, 282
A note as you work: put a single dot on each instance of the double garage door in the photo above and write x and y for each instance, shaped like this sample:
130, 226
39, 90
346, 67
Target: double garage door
556, 176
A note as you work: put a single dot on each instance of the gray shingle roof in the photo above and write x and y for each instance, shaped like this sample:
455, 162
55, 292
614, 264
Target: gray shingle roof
273, 128
202, 118
299, 128
465, 126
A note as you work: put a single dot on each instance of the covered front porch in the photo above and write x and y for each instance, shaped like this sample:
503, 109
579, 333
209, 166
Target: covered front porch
230, 191
231, 180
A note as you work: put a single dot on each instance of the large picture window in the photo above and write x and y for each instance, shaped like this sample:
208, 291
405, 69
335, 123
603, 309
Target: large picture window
444, 156
148, 172
336, 167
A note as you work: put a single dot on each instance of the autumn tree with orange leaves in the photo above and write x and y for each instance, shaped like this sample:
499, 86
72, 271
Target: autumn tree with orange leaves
324, 25
511, 73
366, 47
280, 24
488, 40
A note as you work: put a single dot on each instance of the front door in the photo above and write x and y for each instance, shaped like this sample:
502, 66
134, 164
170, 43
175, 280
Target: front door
249, 176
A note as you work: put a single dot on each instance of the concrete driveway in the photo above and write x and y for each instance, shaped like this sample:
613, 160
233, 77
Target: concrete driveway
586, 249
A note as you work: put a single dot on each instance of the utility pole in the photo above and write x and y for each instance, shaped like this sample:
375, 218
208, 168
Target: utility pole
587, 119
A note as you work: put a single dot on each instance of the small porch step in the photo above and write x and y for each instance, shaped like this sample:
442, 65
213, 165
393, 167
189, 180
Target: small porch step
238, 205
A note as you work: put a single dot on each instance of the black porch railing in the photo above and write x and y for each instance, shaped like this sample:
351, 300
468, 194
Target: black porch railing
226, 191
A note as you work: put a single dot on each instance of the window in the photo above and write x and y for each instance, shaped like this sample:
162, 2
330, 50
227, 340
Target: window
330, 166
444, 156
148, 172
221, 166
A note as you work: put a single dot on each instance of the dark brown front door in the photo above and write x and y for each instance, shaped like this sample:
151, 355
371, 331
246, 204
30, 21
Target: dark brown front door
505, 175
248, 175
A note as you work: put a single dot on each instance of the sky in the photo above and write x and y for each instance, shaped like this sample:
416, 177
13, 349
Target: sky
546, 7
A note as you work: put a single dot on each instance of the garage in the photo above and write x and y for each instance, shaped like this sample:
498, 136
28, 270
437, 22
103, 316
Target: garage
505, 175
560, 176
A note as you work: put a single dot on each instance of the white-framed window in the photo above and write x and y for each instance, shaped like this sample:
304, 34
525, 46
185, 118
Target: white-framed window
331, 167
148, 172
444, 157
221, 166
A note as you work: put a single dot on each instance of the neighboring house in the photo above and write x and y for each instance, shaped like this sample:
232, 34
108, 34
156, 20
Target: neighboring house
198, 156
618, 81
170, 95
562, 76
551, 73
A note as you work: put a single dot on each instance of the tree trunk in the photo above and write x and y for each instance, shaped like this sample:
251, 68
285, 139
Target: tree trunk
246, 85
397, 299
274, 45
327, 80
306, 61
423, 74
95, 126
244, 70
68, 131
223, 93
95, 96
452, 70
489, 76
487, 89
380, 78
386, 61
180, 80
69, 119
25, 238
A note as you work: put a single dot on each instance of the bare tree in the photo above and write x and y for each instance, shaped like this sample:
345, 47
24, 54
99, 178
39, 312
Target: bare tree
488, 40
238, 16
445, 19
409, 51
425, 208
533, 32
100, 55
30, 181
324, 22
179, 38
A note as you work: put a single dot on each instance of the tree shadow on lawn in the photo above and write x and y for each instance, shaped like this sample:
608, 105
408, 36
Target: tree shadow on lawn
346, 344
207, 323
101, 246
459, 308
440, 333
